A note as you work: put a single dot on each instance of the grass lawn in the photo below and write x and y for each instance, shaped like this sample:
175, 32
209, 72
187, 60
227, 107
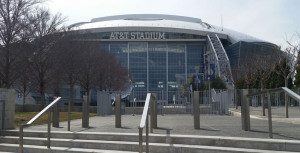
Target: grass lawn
24, 117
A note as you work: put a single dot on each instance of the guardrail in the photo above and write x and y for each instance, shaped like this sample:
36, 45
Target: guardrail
245, 107
85, 118
150, 99
34, 119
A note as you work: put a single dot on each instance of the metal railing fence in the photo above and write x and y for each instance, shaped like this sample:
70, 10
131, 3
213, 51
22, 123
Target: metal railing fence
149, 103
245, 110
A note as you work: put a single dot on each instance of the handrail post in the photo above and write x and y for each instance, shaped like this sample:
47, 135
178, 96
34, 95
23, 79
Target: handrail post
147, 134
140, 140
49, 128
245, 113
118, 113
263, 104
153, 112
286, 105
196, 110
21, 139
270, 116
85, 113
3, 115
69, 115
55, 115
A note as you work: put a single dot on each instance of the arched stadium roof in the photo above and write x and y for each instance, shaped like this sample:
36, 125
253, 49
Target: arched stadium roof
162, 21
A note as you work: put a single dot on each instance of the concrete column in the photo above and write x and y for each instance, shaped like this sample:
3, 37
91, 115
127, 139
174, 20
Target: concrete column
236, 98
196, 110
85, 113
103, 104
245, 113
118, 111
55, 115
286, 106
270, 116
154, 110
263, 104
7, 108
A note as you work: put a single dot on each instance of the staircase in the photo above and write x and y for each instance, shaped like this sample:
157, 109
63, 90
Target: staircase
221, 57
81, 142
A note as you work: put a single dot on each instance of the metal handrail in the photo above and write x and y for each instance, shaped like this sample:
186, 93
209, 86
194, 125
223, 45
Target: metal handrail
145, 111
42, 112
143, 123
286, 90
33, 120
291, 93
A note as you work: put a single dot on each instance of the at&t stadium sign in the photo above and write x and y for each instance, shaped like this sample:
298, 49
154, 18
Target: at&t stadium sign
137, 35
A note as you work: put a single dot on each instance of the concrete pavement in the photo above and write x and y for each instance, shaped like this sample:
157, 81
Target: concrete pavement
212, 125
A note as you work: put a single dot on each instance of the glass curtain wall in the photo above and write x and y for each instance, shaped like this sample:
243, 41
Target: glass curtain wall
121, 52
157, 54
195, 59
159, 67
176, 70
138, 68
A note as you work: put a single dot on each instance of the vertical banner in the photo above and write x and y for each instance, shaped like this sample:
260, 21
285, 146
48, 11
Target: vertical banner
212, 71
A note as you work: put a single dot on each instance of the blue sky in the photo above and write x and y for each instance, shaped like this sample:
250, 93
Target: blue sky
275, 21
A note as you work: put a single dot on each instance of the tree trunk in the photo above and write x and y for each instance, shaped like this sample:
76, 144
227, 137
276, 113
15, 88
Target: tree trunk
7, 68
286, 100
24, 100
88, 101
42, 92
71, 93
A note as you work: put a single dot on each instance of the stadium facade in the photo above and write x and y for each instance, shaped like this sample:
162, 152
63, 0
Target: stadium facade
162, 51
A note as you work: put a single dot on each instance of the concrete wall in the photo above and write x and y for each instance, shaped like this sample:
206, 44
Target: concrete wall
104, 104
7, 98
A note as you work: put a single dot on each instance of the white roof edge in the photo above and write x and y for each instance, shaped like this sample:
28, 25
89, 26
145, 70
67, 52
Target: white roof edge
147, 17
163, 21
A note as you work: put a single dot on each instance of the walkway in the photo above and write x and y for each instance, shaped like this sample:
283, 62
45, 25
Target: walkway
212, 125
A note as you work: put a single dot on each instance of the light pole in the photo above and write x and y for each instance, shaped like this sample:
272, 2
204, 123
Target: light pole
197, 78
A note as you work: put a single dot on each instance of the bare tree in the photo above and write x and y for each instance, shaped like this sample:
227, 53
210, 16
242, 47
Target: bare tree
45, 30
88, 66
70, 54
246, 71
288, 63
13, 21
264, 64
24, 83
111, 76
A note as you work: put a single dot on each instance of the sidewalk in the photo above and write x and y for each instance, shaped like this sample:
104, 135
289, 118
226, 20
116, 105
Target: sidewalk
278, 114
212, 125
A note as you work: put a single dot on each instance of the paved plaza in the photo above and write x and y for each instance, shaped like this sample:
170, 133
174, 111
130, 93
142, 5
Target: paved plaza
212, 125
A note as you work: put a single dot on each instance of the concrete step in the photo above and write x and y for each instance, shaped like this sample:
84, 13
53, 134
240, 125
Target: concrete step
128, 146
39, 149
234, 142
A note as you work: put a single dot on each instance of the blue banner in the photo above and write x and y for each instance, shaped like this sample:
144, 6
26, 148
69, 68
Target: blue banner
210, 72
